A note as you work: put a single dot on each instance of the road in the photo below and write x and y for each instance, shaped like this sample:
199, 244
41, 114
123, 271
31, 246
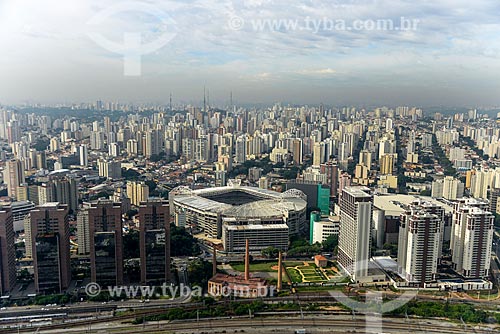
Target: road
91, 307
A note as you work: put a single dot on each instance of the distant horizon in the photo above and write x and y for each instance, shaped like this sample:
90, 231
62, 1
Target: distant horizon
221, 105
337, 52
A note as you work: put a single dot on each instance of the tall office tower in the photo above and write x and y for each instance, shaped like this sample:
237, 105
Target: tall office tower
13, 131
241, 149
154, 220
153, 143
365, 158
132, 147
343, 155
387, 164
419, 245
13, 176
97, 141
55, 145
388, 125
410, 147
114, 150
319, 155
7, 251
220, 178
344, 181
356, 206
331, 169
107, 123
41, 160
448, 188
493, 198
110, 169
106, 242
297, 151
202, 149
254, 174
49, 231
137, 192
188, 148
472, 238
83, 154
479, 184
83, 231
46, 193
66, 191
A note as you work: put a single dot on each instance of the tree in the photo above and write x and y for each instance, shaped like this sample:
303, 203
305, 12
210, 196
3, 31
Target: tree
392, 248
42, 144
199, 272
270, 252
425, 192
331, 243
182, 243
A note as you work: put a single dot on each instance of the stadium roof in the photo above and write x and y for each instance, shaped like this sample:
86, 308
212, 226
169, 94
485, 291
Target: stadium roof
267, 204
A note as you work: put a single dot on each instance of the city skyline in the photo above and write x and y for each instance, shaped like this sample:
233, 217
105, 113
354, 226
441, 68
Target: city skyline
262, 51
173, 165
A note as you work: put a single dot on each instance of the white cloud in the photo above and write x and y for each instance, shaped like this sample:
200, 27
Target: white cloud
45, 42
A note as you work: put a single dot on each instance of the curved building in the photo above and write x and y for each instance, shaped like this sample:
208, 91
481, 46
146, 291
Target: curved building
235, 213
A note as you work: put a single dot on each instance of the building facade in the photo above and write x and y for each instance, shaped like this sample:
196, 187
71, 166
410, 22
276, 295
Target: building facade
49, 231
472, 238
356, 206
7, 251
154, 220
106, 242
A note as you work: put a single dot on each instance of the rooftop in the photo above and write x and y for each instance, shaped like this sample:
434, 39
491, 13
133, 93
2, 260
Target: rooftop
267, 203
393, 204
358, 191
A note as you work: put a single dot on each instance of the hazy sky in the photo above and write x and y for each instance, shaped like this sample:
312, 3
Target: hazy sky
49, 52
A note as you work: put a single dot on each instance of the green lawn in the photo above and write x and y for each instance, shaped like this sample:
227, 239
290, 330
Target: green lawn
294, 275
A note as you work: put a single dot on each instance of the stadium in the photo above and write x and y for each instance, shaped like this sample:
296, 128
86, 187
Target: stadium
235, 213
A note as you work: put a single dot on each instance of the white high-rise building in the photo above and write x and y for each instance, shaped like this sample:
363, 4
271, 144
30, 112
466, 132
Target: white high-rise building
356, 206
13, 176
132, 147
114, 150
479, 184
365, 158
388, 125
419, 245
448, 188
54, 144
472, 238
84, 155
109, 169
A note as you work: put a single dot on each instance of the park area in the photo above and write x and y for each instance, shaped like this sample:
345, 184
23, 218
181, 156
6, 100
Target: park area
298, 271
